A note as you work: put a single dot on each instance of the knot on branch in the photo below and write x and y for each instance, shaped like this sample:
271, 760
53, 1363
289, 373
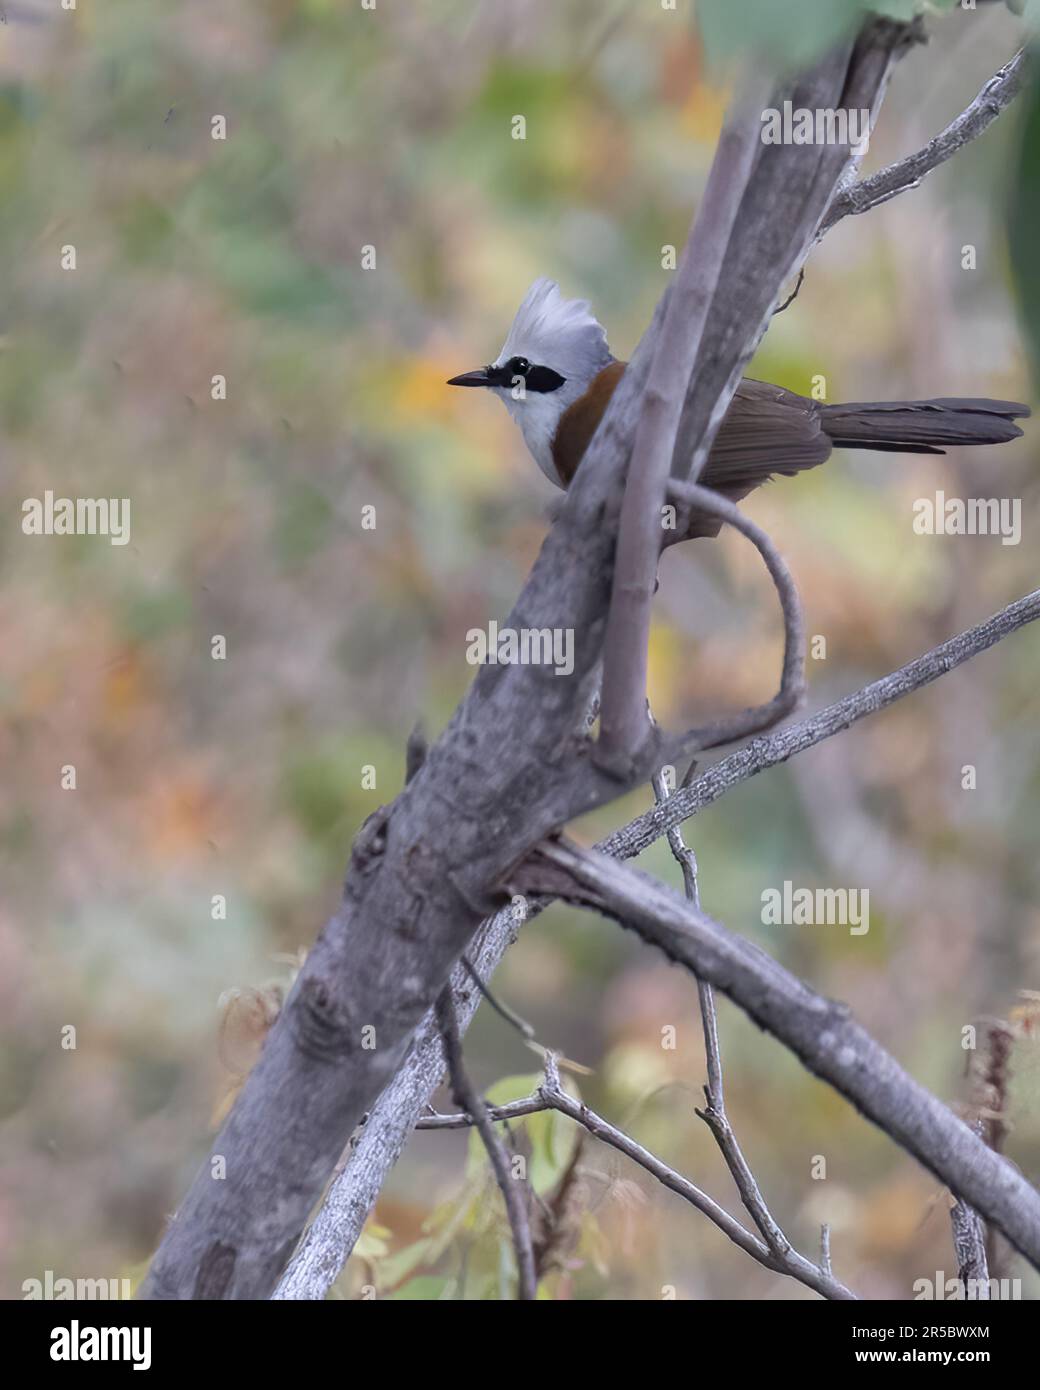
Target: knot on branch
216, 1270
320, 1028
370, 843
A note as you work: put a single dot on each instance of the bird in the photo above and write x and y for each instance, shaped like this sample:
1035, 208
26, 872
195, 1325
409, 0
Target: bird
556, 375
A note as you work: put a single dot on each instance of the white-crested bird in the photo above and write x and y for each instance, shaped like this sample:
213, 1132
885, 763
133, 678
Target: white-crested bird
556, 374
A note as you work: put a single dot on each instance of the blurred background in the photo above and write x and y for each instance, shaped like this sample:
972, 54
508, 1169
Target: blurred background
245, 777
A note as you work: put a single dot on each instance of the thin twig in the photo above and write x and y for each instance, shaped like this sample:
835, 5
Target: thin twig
792, 680
763, 753
514, 1020
905, 174
791, 1263
552, 1096
515, 1110
714, 1115
467, 1095
793, 295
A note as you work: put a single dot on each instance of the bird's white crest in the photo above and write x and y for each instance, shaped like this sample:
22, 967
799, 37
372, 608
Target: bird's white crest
563, 334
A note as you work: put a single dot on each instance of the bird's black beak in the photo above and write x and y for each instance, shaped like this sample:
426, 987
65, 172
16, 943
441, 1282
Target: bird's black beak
480, 377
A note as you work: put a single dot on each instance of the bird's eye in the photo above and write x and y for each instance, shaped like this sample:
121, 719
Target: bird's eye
519, 366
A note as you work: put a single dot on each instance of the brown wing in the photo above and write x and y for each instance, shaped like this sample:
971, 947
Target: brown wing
578, 422
766, 430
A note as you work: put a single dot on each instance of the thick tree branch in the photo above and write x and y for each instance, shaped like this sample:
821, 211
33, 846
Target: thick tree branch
353, 1192
335, 1230
785, 202
821, 1033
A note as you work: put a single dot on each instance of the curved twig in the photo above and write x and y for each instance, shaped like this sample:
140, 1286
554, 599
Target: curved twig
792, 680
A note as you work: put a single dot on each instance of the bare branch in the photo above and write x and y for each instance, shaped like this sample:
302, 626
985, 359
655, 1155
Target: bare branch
515, 1110
715, 1113
514, 1020
792, 680
552, 1096
623, 723
513, 1190
332, 1234
821, 1032
790, 1262
793, 295
995, 97
763, 753
331, 1237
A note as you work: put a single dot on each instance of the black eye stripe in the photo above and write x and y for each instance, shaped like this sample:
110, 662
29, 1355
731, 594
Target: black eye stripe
540, 379
543, 379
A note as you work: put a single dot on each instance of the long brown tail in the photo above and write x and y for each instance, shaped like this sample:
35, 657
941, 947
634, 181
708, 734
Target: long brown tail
921, 427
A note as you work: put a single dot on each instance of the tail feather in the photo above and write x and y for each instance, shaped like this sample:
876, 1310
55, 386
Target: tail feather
921, 427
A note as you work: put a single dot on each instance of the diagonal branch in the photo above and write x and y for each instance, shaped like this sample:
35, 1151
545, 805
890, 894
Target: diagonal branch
353, 1193
623, 723
905, 174
821, 1032
770, 751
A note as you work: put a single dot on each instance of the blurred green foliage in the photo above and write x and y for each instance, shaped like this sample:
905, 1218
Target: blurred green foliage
1024, 219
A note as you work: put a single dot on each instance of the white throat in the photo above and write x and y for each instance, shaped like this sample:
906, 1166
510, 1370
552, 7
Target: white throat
538, 415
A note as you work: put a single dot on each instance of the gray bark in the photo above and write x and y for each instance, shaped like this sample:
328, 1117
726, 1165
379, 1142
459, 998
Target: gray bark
335, 1229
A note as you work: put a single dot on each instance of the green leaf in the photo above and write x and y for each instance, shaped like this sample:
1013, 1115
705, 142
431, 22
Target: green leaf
790, 34
505, 1090
553, 1138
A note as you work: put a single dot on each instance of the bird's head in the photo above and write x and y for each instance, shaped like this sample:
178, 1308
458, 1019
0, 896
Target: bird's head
551, 354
